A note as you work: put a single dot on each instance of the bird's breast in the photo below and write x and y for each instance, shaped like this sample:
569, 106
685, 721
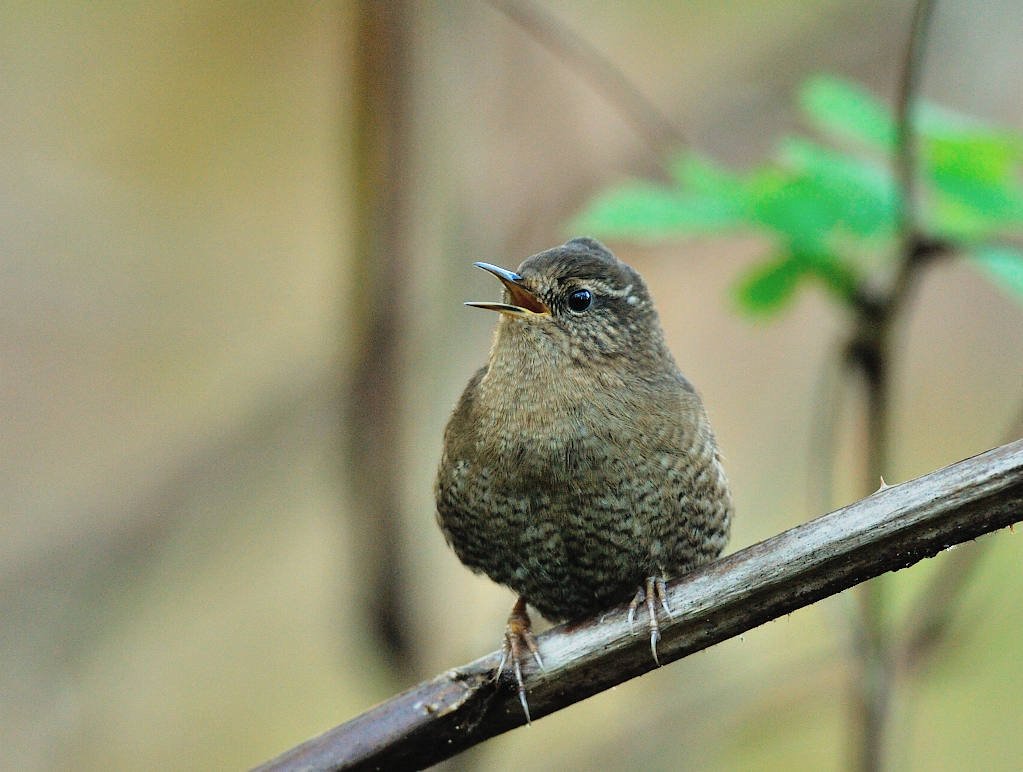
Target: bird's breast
551, 424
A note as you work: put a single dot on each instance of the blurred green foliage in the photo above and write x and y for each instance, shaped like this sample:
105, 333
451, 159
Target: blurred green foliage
835, 212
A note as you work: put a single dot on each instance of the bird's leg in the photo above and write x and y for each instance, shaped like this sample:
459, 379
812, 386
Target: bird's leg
517, 632
655, 592
651, 607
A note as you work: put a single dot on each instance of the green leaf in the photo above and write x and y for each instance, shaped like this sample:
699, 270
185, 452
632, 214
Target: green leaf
819, 197
837, 277
768, 287
1004, 266
978, 158
702, 175
791, 206
848, 111
950, 219
648, 211
933, 120
974, 182
966, 211
862, 196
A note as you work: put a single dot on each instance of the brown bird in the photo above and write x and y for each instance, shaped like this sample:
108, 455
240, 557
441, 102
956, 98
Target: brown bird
579, 468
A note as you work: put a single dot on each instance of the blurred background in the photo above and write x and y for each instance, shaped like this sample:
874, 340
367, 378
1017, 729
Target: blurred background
234, 242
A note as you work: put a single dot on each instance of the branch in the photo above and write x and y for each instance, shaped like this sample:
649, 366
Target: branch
381, 279
591, 64
909, 83
892, 529
872, 350
917, 249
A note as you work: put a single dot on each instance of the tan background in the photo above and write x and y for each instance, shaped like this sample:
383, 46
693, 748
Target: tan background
183, 575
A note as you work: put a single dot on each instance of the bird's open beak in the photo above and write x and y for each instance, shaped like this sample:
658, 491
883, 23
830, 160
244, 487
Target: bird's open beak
523, 301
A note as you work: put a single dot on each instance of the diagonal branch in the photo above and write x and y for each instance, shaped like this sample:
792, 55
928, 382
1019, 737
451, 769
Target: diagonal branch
610, 82
889, 530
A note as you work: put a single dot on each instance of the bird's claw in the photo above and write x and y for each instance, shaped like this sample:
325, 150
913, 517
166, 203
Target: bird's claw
517, 632
655, 592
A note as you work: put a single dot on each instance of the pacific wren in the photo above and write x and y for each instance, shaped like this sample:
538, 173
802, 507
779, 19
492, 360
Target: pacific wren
579, 467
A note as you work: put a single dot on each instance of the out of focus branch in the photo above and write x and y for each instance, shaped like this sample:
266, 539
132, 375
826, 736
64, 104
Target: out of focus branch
909, 85
872, 350
892, 529
610, 82
378, 322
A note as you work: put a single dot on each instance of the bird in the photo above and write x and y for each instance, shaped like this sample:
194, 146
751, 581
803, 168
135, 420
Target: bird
579, 467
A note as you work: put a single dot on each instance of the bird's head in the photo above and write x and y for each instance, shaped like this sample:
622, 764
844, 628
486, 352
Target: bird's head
578, 298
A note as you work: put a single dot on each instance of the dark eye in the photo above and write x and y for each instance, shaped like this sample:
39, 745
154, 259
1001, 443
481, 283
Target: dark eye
580, 300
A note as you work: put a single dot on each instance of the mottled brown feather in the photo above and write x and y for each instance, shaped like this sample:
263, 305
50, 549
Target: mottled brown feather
579, 461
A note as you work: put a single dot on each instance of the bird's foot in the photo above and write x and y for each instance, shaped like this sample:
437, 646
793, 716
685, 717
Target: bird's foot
516, 633
653, 594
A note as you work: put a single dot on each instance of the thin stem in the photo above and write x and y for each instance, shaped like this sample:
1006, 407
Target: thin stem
905, 152
874, 693
915, 247
871, 350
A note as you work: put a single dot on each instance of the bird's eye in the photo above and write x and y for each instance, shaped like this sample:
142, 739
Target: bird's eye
580, 300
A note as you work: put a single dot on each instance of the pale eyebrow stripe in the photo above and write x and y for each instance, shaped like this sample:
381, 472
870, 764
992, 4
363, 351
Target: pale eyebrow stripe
607, 290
